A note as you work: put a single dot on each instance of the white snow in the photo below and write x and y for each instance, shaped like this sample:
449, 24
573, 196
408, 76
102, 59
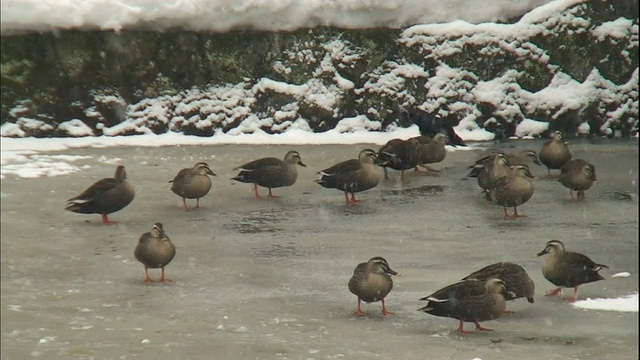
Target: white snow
22, 156
616, 29
224, 15
75, 127
627, 303
621, 274
30, 165
527, 128
584, 128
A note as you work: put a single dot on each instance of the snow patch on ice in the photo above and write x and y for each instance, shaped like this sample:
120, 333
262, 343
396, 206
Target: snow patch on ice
28, 165
621, 274
46, 339
627, 303
21, 156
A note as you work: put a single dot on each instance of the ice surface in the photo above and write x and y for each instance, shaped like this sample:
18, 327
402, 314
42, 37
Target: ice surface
268, 278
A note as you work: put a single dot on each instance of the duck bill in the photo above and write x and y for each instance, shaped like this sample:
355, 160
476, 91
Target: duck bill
391, 272
211, 172
543, 252
302, 164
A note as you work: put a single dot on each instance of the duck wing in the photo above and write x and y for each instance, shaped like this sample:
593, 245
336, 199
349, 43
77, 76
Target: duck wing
99, 187
461, 289
259, 163
181, 175
342, 168
582, 262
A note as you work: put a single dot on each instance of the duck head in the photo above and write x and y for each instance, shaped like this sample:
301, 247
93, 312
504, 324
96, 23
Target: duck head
294, 157
379, 265
552, 247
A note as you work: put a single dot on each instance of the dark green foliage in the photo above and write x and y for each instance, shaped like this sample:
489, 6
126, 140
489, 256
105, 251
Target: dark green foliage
98, 76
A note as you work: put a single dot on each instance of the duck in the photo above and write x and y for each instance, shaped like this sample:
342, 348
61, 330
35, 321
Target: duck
372, 282
398, 154
578, 175
352, 176
430, 124
104, 197
512, 190
489, 169
555, 153
480, 165
515, 277
192, 183
155, 250
270, 172
431, 150
566, 269
469, 301
524, 157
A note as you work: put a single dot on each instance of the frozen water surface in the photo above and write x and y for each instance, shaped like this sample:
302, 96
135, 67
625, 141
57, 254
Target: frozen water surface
267, 279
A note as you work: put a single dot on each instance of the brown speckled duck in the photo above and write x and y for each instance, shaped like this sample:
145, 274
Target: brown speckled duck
512, 190
398, 154
489, 169
567, 269
578, 175
104, 197
515, 277
469, 301
431, 150
270, 172
555, 152
371, 282
524, 157
481, 164
155, 250
192, 183
352, 176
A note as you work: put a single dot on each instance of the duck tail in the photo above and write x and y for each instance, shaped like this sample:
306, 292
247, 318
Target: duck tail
323, 182
77, 207
71, 207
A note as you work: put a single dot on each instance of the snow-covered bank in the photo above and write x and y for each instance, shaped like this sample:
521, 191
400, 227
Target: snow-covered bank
223, 15
501, 78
